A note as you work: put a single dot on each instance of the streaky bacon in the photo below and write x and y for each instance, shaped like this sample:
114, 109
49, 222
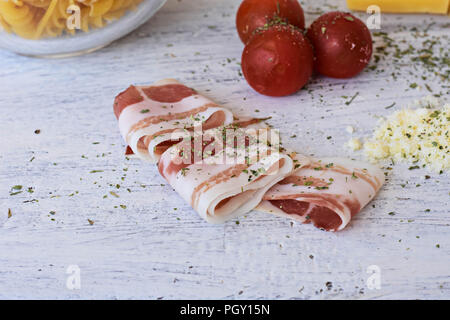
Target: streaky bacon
148, 115
327, 192
213, 180
184, 132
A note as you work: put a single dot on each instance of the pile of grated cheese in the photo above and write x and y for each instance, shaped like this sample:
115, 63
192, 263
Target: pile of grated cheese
419, 136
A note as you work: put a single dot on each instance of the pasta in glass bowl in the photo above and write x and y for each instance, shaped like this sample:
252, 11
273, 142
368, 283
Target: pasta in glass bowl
58, 28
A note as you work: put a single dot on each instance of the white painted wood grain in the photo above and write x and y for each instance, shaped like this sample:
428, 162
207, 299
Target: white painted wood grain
157, 246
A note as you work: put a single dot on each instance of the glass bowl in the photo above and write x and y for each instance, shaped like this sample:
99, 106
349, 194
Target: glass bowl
79, 42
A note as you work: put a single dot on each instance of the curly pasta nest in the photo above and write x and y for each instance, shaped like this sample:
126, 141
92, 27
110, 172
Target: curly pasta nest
36, 19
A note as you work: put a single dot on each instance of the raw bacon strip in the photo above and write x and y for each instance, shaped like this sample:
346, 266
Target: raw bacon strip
225, 178
148, 115
326, 192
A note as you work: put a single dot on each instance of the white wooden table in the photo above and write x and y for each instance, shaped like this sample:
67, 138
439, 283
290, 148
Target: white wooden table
157, 247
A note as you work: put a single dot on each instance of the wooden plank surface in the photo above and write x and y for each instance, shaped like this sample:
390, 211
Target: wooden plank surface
157, 247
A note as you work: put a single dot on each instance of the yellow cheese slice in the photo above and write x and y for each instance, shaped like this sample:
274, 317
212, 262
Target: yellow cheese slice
402, 6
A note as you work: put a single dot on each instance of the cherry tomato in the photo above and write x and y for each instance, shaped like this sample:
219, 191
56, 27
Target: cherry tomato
278, 61
253, 14
342, 44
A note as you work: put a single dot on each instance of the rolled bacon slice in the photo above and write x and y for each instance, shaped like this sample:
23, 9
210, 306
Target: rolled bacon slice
224, 179
325, 192
148, 115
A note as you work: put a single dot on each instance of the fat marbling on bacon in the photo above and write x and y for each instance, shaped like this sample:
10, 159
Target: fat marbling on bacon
326, 192
148, 115
171, 124
220, 177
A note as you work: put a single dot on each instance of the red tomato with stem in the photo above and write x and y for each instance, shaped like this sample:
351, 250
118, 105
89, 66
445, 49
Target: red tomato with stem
342, 44
278, 61
253, 14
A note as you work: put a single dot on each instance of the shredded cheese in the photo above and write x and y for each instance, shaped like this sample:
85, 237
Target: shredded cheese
418, 136
350, 129
354, 144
